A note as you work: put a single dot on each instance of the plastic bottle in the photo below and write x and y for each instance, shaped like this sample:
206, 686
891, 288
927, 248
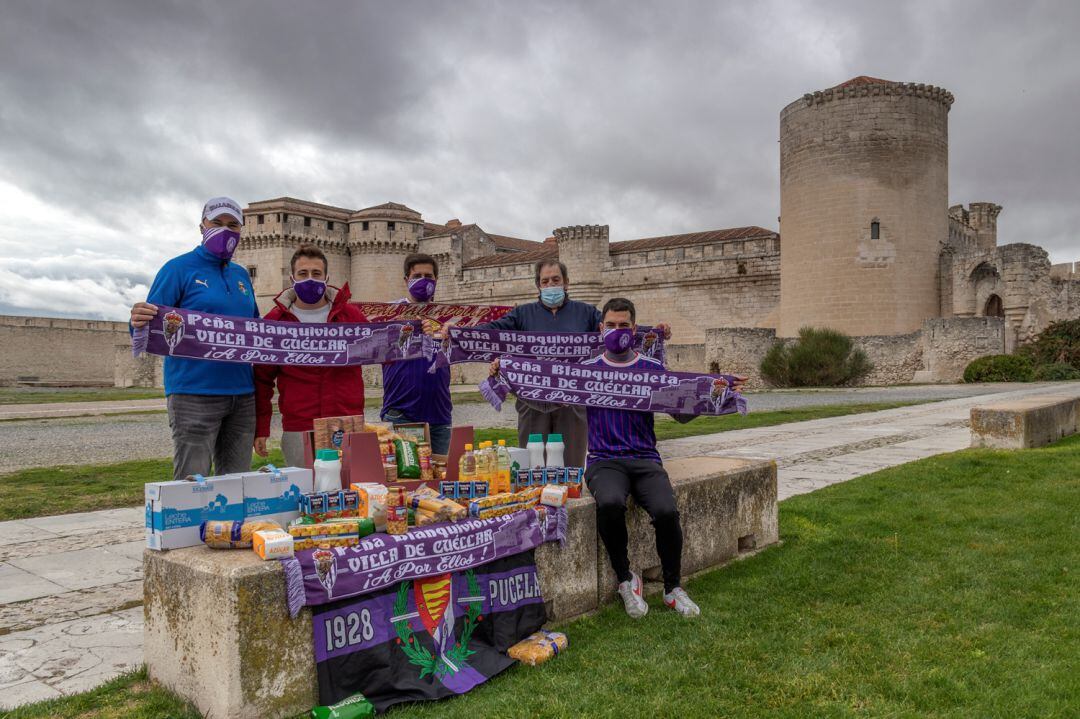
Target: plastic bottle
502, 467
327, 470
491, 467
555, 448
535, 446
467, 465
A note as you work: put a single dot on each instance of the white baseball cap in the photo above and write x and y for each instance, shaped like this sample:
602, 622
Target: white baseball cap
222, 206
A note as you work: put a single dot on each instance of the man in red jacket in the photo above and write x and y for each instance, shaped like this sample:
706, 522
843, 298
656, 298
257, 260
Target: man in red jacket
307, 393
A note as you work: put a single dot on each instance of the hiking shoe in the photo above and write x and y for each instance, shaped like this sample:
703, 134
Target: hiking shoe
680, 602
630, 591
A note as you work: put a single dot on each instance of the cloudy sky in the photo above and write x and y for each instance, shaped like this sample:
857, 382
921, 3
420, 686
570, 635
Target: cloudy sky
118, 119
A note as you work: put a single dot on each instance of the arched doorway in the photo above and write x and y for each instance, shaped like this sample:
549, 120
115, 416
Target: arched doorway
993, 307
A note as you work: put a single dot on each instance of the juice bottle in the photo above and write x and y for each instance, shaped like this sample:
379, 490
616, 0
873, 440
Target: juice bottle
467, 465
502, 466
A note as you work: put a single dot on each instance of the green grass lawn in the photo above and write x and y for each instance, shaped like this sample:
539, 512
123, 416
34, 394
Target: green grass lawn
73, 488
46, 395
948, 587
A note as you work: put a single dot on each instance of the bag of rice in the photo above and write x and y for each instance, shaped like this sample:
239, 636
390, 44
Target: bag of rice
407, 459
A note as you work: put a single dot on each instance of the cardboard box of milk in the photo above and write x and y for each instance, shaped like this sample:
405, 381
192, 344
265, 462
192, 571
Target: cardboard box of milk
174, 510
273, 494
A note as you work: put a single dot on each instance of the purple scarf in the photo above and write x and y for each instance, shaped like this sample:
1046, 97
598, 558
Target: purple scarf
200, 335
484, 345
597, 385
318, 576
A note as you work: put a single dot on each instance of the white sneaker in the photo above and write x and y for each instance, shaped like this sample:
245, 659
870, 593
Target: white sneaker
681, 603
630, 591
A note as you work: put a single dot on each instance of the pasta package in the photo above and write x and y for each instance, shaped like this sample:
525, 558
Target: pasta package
441, 507
407, 459
218, 534
336, 533
538, 648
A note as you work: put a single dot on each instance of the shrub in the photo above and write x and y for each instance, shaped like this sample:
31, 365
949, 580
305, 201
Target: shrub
999, 368
818, 358
1056, 372
1057, 344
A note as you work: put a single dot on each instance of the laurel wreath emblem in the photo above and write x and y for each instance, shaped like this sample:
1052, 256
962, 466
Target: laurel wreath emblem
419, 654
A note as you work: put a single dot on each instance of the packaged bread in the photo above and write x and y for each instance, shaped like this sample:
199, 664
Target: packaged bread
272, 544
223, 534
554, 495
538, 648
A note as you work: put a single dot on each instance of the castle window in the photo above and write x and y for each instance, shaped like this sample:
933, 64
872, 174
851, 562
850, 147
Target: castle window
364, 226
284, 217
260, 219
390, 226
307, 222
329, 225
252, 271
875, 230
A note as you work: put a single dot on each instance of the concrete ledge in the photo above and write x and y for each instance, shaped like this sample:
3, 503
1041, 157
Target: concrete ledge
218, 633
1024, 423
726, 506
568, 572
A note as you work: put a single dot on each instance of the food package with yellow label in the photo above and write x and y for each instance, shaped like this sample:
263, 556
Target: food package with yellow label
272, 544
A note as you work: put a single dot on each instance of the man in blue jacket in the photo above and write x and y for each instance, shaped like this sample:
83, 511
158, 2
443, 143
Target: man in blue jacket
211, 404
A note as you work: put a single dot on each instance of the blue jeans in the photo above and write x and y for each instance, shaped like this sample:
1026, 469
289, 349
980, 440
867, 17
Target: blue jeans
440, 433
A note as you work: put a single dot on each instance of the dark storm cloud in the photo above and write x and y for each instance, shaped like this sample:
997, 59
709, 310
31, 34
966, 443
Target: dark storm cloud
653, 118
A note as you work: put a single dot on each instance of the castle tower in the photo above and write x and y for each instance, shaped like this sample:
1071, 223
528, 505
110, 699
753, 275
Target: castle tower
584, 251
379, 239
982, 216
864, 184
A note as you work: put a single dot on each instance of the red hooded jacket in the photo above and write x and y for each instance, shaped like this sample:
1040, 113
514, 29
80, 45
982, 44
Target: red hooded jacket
307, 393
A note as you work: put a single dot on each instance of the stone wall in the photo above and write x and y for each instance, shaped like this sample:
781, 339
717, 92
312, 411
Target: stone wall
938, 352
59, 351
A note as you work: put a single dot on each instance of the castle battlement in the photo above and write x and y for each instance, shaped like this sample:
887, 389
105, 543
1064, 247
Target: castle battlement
864, 86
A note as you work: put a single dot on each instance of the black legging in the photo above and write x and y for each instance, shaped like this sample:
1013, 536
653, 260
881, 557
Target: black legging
611, 481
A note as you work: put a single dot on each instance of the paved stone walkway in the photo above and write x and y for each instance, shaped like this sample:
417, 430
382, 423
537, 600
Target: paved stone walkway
71, 589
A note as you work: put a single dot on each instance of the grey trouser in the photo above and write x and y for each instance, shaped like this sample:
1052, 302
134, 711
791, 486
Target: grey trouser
567, 420
211, 429
292, 446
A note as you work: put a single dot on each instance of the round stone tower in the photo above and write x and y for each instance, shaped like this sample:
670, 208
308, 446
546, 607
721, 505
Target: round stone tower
379, 239
864, 185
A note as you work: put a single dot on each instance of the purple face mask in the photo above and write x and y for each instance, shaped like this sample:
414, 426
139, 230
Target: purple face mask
220, 242
617, 341
310, 291
422, 288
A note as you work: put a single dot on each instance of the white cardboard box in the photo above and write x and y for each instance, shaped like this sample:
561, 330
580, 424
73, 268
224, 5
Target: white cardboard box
174, 510
275, 495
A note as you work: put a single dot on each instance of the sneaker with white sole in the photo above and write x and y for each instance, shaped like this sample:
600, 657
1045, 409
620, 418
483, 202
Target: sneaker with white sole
678, 600
630, 591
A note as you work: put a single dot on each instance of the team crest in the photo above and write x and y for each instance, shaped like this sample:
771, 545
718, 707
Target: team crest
173, 328
325, 568
433, 603
242, 286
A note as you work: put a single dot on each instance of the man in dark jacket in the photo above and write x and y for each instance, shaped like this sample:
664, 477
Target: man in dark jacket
307, 393
554, 311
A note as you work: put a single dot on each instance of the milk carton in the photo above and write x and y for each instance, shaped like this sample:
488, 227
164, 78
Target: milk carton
273, 494
174, 510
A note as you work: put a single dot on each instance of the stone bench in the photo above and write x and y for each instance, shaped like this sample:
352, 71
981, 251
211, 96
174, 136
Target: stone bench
218, 633
1024, 423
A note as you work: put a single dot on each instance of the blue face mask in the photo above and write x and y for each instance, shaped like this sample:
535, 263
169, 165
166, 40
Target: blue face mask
552, 296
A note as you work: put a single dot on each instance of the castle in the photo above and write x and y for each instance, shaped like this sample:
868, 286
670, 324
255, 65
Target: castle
870, 246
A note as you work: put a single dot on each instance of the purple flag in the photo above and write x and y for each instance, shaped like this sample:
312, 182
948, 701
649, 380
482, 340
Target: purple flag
200, 335
318, 576
598, 385
464, 344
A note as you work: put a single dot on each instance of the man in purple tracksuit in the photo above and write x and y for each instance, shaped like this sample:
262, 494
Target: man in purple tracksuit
623, 462
410, 393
